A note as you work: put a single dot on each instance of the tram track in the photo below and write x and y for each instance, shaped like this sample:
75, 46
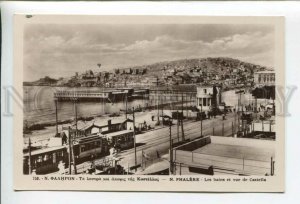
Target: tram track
190, 131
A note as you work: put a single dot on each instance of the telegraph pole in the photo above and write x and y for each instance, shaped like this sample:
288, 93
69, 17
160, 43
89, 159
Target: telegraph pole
126, 106
56, 117
76, 134
186, 105
29, 152
75, 105
201, 121
157, 107
178, 125
182, 103
171, 153
181, 120
238, 112
74, 161
162, 108
182, 130
135, 161
239, 104
70, 152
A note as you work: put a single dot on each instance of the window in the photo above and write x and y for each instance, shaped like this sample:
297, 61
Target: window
46, 157
200, 101
204, 101
205, 91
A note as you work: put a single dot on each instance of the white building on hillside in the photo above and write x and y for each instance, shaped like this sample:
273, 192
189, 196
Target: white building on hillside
208, 96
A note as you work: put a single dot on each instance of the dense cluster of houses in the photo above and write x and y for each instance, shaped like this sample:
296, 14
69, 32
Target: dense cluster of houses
229, 73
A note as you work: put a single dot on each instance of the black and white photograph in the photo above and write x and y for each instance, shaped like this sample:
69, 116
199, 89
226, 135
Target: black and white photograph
151, 100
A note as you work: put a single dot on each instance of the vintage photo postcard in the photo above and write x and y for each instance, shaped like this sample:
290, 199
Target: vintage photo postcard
149, 103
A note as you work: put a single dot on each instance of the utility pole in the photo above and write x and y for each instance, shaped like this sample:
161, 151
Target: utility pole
235, 122
29, 152
182, 103
76, 135
201, 120
126, 106
182, 130
239, 104
157, 107
181, 119
74, 161
238, 111
56, 117
142, 160
162, 107
70, 152
178, 125
171, 153
135, 161
75, 105
186, 104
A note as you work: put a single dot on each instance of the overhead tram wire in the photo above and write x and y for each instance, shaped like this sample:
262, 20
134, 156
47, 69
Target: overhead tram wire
163, 140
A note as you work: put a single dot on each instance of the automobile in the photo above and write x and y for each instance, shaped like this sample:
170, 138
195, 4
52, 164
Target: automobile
201, 116
247, 116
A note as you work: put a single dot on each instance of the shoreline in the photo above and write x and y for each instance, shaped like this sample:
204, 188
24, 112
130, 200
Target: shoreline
44, 125
49, 131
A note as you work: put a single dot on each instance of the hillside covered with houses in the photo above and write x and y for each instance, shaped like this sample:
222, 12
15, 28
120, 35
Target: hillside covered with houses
231, 73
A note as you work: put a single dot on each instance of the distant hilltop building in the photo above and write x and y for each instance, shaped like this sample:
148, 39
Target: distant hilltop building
264, 78
208, 96
132, 71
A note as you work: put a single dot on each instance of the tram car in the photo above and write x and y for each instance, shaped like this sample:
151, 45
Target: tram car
121, 140
90, 147
46, 160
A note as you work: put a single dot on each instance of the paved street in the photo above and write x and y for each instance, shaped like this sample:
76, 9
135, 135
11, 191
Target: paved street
157, 141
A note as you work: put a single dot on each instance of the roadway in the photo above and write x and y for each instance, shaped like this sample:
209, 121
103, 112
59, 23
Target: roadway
158, 141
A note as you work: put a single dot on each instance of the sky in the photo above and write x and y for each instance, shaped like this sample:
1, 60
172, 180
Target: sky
58, 50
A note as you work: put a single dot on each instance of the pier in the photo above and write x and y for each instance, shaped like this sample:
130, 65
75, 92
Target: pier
81, 95
115, 95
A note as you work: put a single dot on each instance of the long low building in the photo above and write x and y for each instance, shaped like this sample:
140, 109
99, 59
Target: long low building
214, 155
